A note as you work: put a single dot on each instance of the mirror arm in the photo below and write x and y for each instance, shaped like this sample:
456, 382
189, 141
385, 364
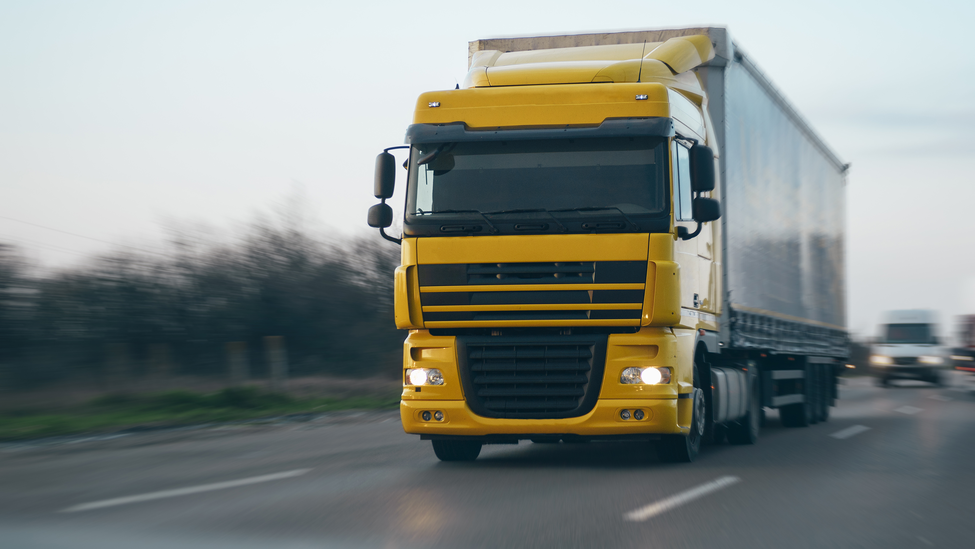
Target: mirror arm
386, 236
684, 235
390, 238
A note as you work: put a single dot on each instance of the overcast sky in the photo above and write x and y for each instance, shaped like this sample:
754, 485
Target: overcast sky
121, 120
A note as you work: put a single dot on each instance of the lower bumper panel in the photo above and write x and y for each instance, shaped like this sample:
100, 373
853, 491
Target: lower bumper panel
602, 422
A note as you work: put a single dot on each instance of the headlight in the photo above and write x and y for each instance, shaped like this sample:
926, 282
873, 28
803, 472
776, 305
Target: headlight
423, 376
645, 376
930, 360
881, 359
962, 358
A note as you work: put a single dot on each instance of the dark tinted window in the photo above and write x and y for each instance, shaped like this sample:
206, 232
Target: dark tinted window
625, 173
909, 333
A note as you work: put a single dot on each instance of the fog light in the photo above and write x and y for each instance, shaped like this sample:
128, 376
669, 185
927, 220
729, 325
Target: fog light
638, 415
425, 415
438, 415
625, 414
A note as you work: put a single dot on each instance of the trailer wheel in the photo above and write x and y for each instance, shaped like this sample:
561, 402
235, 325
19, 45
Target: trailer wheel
826, 394
680, 448
803, 413
456, 450
746, 430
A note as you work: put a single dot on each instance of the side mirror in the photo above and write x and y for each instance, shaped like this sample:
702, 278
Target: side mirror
702, 169
706, 209
385, 177
380, 216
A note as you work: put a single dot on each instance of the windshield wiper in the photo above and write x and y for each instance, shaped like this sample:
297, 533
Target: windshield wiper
597, 208
534, 210
478, 212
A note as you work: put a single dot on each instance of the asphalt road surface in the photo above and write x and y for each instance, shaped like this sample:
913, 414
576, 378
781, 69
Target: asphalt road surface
893, 467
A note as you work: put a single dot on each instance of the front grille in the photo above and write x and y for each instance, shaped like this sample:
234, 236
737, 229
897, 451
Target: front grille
528, 377
905, 360
600, 290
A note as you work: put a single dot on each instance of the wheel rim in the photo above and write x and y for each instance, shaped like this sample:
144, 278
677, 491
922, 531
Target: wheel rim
697, 422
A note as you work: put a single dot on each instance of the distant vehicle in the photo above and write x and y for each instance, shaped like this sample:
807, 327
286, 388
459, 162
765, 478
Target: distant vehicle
908, 348
963, 356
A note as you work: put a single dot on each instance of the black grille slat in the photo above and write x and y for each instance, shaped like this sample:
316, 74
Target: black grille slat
531, 352
527, 377
511, 380
531, 273
523, 406
531, 268
533, 392
531, 366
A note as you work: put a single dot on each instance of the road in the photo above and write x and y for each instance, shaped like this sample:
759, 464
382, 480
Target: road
892, 468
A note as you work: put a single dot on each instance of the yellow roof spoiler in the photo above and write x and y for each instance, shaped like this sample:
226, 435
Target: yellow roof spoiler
616, 63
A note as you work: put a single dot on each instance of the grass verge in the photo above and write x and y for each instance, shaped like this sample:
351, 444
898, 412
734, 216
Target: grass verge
173, 408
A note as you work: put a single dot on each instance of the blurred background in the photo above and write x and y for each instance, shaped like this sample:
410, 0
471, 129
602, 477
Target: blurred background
183, 185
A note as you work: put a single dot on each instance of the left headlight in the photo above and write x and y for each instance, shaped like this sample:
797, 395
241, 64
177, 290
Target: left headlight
423, 376
881, 359
645, 376
930, 360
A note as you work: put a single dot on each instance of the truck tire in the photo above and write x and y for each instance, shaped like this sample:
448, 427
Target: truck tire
882, 381
681, 448
746, 430
456, 450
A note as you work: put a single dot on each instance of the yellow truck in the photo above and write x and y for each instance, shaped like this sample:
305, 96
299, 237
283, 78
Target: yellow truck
567, 273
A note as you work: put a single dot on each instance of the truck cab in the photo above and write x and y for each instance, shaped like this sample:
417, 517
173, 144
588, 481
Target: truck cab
908, 347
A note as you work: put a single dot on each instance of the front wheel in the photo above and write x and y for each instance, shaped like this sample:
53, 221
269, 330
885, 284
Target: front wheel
456, 450
681, 448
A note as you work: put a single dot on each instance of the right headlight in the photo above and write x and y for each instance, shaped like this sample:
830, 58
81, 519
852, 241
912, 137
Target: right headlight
881, 360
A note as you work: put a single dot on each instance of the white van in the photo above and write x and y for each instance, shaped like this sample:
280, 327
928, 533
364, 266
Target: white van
908, 348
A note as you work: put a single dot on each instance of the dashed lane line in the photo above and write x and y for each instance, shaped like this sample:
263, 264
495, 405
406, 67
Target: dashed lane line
909, 410
850, 431
183, 491
664, 505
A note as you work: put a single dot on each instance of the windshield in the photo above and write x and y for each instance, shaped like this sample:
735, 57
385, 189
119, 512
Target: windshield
909, 333
624, 176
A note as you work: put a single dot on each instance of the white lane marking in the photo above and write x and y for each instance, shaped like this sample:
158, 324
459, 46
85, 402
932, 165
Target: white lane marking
183, 491
664, 505
942, 398
910, 410
850, 431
